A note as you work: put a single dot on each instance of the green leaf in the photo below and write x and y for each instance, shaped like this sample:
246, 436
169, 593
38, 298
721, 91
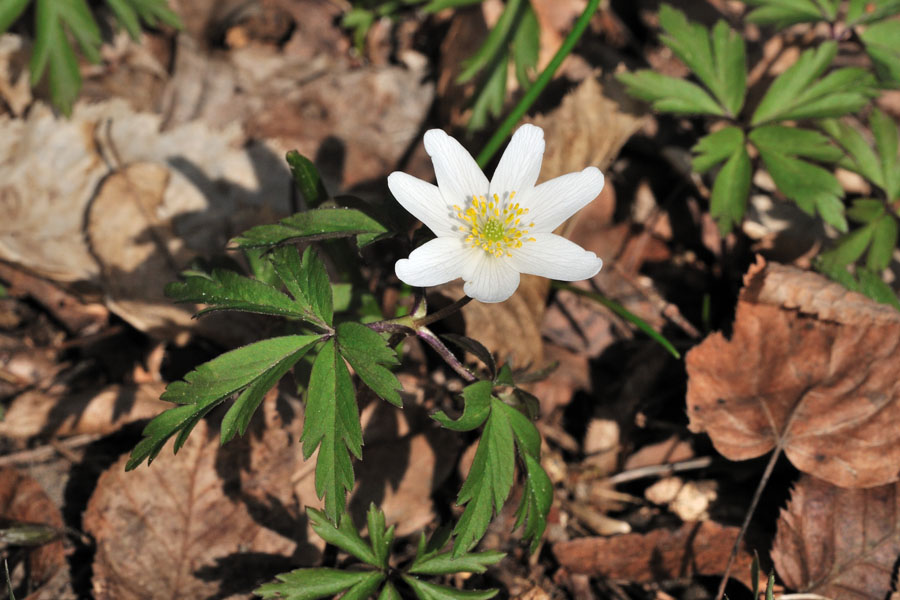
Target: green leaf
307, 179
311, 584
444, 563
670, 94
526, 46
884, 129
795, 141
536, 500
494, 45
796, 94
718, 60
227, 290
313, 225
865, 210
10, 10
884, 240
713, 148
433, 591
490, 95
490, 479
849, 248
728, 199
882, 41
380, 537
860, 157
307, 281
389, 592
860, 12
344, 536
783, 13
872, 285
477, 397
331, 424
369, 355
211, 383
439, 5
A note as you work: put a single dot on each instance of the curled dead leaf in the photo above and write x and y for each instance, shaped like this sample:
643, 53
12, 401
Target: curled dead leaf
811, 369
839, 543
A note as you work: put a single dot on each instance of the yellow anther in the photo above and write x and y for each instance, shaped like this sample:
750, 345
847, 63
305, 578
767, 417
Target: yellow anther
494, 226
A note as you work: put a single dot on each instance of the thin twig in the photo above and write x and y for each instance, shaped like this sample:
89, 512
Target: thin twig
756, 496
432, 340
660, 470
48, 451
442, 313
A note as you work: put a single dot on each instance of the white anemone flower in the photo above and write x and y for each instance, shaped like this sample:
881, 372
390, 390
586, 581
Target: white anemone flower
490, 232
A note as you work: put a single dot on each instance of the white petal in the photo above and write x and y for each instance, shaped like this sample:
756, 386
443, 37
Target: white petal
435, 262
424, 201
554, 201
520, 164
458, 175
555, 257
489, 278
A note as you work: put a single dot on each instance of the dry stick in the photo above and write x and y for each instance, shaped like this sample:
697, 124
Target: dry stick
756, 496
48, 451
658, 470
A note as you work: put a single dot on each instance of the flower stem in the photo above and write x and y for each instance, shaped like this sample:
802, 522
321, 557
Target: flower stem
434, 341
540, 83
442, 313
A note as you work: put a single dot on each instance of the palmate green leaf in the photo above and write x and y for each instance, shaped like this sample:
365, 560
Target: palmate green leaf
307, 281
884, 240
860, 157
344, 536
380, 537
313, 225
477, 397
814, 189
715, 147
728, 200
153, 12
865, 282
526, 45
882, 42
389, 592
311, 584
433, 591
331, 424
849, 248
795, 141
798, 93
783, 13
211, 383
434, 562
884, 129
865, 210
670, 94
307, 179
718, 60
369, 355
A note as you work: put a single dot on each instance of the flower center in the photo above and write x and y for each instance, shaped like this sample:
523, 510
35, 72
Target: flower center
496, 226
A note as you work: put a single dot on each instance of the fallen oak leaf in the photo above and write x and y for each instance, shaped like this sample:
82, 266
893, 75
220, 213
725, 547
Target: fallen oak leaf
839, 543
810, 370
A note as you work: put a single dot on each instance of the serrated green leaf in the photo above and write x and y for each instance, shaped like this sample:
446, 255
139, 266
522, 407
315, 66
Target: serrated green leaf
307, 281
154, 12
227, 290
389, 592
444, 563
884, 129
860, 12
690, 43
670, 94
534, 507
713, 148
782, 95
860, 157
380, 538
433, 591
795, 141
369, 355
307, 179
865, 210
872, 285
849, 248
841, 92
490, 479
331, 424
477, 398
490, 95
237, 419
884, 241
782, 13
10, 10
126, 17
344, 536
210, 384
728, 199
311, 584
526, 46
882, 42
313, 225
731, 67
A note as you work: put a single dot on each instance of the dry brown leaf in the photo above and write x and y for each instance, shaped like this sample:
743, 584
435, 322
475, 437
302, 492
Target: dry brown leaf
693, 549
839, 543
15, 84
811, 369
22, 500
172, 531
36, 413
